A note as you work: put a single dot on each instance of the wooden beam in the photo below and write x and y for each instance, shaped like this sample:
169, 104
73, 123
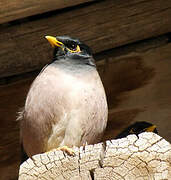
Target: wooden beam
16, 9
102, 25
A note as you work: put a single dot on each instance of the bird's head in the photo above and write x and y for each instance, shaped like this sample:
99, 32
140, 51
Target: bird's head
137, 128
142, 126
70, 48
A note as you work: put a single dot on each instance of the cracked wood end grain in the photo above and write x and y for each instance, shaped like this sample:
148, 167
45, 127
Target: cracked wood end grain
146, 157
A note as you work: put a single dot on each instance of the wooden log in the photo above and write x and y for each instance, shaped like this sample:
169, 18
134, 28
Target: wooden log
16, 9
130, 158
102, 25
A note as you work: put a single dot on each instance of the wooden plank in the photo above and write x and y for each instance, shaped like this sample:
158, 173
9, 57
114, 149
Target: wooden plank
103, 25
16, 9
138, 89
11, 100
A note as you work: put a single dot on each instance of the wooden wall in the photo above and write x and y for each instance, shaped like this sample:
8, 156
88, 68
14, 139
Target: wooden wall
131, 43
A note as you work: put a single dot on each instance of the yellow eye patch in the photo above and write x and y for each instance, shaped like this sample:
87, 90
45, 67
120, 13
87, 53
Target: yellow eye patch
76, 50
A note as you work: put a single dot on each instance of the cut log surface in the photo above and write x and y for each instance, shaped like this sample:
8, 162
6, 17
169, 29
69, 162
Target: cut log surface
12, 10
147, 157
102, 25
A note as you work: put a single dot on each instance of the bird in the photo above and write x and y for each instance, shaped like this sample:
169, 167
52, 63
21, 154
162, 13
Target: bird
137, 128
66, 104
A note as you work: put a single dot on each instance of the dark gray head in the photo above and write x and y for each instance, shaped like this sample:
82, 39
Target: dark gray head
71, 49
137, 128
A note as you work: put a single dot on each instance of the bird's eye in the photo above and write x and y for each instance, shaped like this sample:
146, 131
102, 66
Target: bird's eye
74, 48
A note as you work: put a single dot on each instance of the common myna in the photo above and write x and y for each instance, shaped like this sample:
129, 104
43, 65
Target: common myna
66, 104
137, 128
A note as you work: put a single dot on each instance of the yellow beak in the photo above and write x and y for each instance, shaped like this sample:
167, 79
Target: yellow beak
151, 128
53, 41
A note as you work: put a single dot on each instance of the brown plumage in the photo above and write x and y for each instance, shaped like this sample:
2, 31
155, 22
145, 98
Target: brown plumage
66, 104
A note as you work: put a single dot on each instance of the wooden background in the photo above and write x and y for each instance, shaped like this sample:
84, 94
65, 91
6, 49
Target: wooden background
131, 43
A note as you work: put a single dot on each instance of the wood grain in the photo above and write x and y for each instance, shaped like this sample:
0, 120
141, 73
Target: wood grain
146, 157
102, 25
16, 9
138, 89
